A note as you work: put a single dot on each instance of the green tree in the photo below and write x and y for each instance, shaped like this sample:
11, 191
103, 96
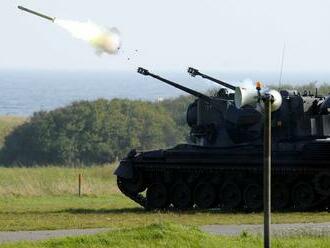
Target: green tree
91, 132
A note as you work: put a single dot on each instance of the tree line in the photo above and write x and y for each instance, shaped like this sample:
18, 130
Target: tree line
102, 131
98, 131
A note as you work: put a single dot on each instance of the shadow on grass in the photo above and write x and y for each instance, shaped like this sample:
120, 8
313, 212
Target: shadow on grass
82, 211
138, 210
103, 211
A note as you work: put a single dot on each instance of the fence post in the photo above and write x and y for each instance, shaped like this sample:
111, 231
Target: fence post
79, 184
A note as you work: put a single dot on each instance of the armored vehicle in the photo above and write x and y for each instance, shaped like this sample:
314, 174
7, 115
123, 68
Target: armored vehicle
222, 165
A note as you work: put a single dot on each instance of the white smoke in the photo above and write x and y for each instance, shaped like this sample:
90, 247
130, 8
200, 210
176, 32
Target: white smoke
101, 38
250, 84
247, 83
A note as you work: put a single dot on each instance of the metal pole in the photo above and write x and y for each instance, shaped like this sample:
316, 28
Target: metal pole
267, 170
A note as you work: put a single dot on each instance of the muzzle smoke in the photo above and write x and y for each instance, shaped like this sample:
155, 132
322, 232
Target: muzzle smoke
103, 39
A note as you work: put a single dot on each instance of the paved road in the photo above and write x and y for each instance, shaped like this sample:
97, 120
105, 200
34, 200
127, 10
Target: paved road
40, 235
277, 229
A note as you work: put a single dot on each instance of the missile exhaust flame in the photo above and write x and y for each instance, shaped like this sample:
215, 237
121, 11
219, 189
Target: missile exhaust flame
103, 39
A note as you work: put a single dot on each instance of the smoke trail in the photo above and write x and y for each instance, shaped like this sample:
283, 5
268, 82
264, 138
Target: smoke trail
247, 83
101, 38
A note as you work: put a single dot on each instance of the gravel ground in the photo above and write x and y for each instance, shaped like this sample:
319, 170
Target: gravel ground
40, 235
315, 229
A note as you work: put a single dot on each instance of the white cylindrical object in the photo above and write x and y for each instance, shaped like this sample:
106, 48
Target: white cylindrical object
245, 96
276, 104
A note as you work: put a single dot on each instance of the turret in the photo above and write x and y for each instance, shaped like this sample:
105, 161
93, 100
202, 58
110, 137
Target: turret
215, 120
204, 115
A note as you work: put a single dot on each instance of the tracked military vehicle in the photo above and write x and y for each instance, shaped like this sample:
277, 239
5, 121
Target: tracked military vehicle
222, 165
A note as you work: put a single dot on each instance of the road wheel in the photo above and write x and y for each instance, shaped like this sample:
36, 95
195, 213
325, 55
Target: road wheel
253, 197
303, 196
204, 195
157, 197
280, 196
322, 183
181, 196
230, 196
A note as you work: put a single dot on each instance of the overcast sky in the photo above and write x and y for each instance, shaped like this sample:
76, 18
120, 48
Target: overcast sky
225, 35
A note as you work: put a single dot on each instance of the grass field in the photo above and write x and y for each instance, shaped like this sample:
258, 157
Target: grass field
171, 235
46, 198
7, 124
57, 181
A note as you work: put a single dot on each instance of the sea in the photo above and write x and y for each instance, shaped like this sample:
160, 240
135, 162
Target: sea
23, 92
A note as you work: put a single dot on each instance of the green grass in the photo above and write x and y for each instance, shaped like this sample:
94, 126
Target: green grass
57, 181
116, 211
46, 198
170, 235
7, 124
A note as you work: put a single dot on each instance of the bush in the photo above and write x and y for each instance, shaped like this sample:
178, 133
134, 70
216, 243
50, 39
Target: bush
91, 132
177, 108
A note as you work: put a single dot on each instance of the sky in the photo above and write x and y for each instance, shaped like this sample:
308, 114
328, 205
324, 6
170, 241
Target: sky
225, 35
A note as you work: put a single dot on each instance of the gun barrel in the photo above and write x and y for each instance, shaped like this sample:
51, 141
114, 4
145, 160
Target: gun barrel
194, 72
36, 13
183, 88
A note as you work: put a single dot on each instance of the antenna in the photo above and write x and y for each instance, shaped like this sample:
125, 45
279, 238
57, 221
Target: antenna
282, 64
